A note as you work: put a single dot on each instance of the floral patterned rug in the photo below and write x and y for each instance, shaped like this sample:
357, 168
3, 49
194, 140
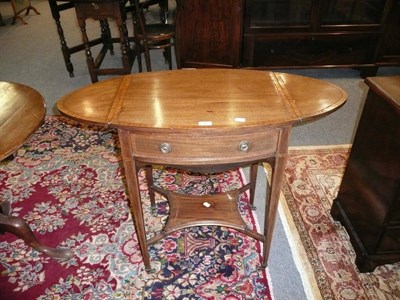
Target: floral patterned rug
68, 184
312, 180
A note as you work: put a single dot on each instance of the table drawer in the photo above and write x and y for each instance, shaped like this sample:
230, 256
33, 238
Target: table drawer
97, 10
203, 149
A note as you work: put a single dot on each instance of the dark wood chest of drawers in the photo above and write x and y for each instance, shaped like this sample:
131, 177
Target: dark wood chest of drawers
368, 201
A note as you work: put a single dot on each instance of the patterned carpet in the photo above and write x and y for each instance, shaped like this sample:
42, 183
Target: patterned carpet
313, 176
68, 184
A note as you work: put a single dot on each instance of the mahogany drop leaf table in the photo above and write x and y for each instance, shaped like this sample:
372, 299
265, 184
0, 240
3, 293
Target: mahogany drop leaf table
205, 120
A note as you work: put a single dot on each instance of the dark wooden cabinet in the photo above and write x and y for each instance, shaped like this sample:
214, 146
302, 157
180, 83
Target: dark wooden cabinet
389, 50
368, 201
209, 33
268, 34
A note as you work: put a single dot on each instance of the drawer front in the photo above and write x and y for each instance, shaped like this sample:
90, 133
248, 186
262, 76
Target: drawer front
308, 50
395, 207
390, 241
97, 10
204, 149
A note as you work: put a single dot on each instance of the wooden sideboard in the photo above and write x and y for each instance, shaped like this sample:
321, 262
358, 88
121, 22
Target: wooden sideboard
268, 34
368, 201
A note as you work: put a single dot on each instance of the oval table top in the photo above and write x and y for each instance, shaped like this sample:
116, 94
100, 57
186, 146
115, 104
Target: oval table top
22, 111
202, 98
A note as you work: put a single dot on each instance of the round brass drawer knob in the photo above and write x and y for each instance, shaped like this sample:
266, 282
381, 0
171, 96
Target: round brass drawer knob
165, 148
244, 146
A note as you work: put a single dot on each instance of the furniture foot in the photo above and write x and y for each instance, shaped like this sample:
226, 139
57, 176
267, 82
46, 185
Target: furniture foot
16, 14
14, 20
368, 71
2, 21
20, 228
262, 267
5, 207
34, 9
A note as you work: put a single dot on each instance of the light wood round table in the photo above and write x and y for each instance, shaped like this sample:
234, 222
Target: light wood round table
206, 120
22, 112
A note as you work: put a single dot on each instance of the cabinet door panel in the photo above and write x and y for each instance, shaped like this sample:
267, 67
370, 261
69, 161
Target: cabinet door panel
277, 13
209, 33
394, 214
389, 53
345, 12
310, 33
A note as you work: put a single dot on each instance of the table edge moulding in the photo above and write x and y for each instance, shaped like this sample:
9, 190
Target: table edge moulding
203, 120
18, 102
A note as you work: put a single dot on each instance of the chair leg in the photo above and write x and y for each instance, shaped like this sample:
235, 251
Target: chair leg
19, 18
168, 57
164, 12
125, 48
89, 57
147, 56
106, 35
150, 183
20, 228
253, 179
64, 48
138, 50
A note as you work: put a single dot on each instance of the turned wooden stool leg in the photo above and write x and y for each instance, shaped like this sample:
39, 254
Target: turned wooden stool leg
125, 47
20, 228
89, 58
106, 35
64, 48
